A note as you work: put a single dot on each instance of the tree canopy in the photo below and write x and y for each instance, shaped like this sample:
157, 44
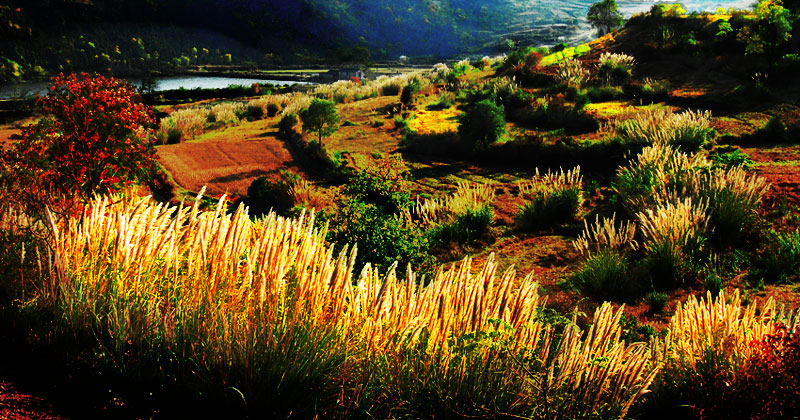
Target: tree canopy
320, 117
604, 16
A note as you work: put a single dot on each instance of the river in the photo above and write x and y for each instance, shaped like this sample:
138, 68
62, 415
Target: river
168, 83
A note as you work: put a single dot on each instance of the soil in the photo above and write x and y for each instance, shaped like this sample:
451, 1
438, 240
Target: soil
18, 405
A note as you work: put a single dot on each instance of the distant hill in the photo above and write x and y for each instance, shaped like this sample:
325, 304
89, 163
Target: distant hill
95, 34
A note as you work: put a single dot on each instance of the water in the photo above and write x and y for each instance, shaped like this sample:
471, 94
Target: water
27, 89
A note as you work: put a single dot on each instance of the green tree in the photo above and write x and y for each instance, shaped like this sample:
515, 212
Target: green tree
482, 125
771, 28
604, 16
320, 117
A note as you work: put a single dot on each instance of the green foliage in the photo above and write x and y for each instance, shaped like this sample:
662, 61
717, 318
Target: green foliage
409, 90
606, 275
384, 184
271, 192
482, 125
550, 208
320, 117
382, 237
287, 124
771, 28
473, 225
604, 16
657, 301
779, 258
714, 284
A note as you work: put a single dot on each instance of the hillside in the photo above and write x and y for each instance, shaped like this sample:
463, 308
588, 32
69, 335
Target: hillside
135, 37
599, 231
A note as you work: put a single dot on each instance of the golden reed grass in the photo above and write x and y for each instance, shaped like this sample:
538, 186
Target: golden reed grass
720, 331
551, 182
469, 196
225, 284
605, 234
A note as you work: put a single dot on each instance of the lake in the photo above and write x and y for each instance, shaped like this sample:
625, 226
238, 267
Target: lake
167, 83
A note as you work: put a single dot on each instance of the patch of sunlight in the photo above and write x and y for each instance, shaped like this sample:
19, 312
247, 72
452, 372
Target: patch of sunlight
570, 52
435, 122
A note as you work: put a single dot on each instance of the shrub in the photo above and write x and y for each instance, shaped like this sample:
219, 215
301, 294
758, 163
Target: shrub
615, 69
287, 124
767, 387
272, 109
604, 93
271, 192
391, 89
482, 125
779, 259
470, 225
384, 184
605, 274
550, 208
657, 301
382, 237
174, 135
709, 340
732, 159
408, 92
254, 112
734, 198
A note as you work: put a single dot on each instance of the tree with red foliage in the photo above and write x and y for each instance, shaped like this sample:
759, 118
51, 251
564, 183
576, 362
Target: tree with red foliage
96, 138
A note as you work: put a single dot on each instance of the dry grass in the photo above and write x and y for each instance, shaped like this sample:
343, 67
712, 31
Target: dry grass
467, 197
605, 234
572, 72
710, 334
551, 182
661, 127
677, 226
155, 275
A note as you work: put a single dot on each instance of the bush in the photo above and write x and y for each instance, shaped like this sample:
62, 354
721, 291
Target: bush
174, 135
286, 125
482, 125
409, 90
767, 387
384, 184
615, 69
604, 93
472, 225
657, 301
550, 208
779, 259
392, 89
273, 191
254, 112
272, 109
606, 275
381, 237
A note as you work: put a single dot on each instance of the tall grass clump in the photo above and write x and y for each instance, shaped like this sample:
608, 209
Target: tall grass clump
710, 339
189, 122
605, 248
550, 199
674, 236
464, 216
571, 72
615, 69
688, 130
265, 308
658, 174
225, 113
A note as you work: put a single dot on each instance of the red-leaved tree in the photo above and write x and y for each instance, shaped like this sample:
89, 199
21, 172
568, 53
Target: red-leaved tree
95, 138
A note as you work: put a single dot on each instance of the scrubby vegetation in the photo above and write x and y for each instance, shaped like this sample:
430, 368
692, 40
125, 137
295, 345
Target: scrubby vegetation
652, 217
